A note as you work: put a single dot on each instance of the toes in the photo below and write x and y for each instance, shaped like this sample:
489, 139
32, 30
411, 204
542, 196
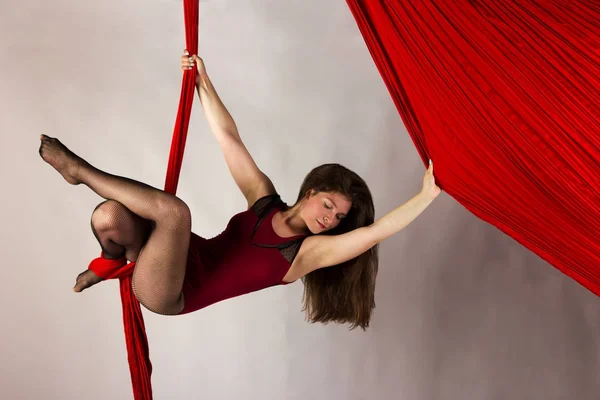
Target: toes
79, 283
47, 139
84, 280
42, 148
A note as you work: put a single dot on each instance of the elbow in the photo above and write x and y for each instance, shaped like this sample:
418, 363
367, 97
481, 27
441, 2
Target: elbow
228, 137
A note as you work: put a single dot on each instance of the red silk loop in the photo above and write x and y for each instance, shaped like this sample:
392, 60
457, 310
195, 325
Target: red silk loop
111, 269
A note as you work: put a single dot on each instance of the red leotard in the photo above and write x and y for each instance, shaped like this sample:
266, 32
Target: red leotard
248, 256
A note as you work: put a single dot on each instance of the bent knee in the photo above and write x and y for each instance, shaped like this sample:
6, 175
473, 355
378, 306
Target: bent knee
108, 214
174, 213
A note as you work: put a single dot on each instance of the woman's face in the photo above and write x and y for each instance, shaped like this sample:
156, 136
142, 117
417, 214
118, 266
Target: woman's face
323, 211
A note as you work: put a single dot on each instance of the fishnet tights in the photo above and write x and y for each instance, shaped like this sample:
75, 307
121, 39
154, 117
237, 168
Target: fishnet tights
150, 227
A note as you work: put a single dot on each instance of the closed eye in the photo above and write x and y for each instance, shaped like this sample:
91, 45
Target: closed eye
338, 216
341, 216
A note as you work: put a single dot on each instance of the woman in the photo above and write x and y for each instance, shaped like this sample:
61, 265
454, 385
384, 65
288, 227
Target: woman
328, 238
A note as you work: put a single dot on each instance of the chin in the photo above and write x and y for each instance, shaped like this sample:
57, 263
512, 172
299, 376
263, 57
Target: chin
318, 228
314, 228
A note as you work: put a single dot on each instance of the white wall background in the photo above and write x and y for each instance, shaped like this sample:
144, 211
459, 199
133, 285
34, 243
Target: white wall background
463, 311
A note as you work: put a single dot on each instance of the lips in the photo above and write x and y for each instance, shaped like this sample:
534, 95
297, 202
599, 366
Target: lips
321, 225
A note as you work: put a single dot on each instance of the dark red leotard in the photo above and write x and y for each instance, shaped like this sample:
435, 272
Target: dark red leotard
246, 257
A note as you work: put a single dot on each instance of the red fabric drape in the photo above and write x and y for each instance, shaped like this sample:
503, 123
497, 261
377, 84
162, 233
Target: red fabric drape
133, 321
504, 97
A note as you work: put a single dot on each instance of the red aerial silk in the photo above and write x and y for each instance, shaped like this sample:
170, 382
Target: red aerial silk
504, 96
133, 320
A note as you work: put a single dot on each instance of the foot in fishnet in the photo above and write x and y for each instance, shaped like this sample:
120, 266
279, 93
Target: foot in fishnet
86, 279
62, 159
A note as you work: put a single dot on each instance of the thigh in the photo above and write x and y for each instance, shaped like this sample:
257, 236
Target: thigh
160, 268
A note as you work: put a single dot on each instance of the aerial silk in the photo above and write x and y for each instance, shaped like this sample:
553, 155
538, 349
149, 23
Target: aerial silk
504, 96
140, 366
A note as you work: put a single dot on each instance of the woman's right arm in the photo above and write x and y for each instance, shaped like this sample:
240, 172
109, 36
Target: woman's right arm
253, 183
219, 120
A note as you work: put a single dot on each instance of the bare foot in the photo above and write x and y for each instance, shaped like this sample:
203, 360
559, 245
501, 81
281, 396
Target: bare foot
86, 279
62, 159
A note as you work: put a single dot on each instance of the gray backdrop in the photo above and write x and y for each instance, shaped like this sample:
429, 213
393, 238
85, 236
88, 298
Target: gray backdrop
463, 311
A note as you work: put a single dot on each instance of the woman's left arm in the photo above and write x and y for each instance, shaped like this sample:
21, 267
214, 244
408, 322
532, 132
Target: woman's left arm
325, 251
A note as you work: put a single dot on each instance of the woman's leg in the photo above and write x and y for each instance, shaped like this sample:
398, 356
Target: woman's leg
119, 232
160, 266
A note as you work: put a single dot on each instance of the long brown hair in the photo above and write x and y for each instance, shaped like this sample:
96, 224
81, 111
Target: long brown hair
344, 293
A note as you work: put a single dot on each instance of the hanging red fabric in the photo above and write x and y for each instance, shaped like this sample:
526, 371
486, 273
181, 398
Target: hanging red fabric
138, 356
504, 97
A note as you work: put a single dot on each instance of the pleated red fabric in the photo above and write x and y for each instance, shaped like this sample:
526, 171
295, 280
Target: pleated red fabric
138, 356
504, 96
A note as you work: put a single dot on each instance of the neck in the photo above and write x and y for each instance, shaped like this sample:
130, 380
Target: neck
292, 220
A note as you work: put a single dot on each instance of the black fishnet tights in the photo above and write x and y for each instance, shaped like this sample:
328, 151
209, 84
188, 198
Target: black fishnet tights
148, 226
121, 225
120, 232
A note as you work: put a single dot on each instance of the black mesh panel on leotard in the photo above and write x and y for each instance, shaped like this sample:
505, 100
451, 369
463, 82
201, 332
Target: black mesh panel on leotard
261, 208
290, 250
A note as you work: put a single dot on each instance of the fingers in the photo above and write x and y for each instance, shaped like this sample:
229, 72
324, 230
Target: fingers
186, 54
188, 62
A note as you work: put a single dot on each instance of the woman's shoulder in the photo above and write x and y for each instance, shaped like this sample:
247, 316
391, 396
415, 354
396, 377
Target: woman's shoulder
265, 202
264, 191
